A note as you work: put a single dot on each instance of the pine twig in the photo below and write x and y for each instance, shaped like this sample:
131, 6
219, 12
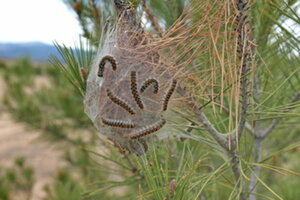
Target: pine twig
78, 8
96, 17
248, 126
275, 122
151, 18
95, 11
219, 137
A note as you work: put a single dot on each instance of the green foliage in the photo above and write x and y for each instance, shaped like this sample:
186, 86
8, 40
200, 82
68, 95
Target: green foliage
18, 178
175, 176
64, 188
4, 191
78, 63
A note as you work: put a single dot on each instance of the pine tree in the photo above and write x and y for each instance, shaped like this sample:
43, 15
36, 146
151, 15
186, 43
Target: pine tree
231, 125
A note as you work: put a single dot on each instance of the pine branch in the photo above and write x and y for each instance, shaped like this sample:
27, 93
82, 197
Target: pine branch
256, 169
120, 4
259, 137
243, 47
219, 137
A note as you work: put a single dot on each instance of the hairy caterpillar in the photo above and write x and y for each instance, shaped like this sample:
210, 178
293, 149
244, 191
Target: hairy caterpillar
147, 83
134, 90
117, 123
123, 104
169, 94
103, 62
147, 130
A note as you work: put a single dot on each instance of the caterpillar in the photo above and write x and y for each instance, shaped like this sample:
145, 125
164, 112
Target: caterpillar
147, 130
169, 94
134, 90
147, 83
117, 123
123, 104
103, 62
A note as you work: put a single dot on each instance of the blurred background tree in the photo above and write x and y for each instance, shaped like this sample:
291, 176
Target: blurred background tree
267, 154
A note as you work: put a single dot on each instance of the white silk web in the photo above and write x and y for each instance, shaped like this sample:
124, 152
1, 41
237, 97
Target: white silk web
128, 89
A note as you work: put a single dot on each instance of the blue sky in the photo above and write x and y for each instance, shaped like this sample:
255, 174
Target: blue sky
37, 20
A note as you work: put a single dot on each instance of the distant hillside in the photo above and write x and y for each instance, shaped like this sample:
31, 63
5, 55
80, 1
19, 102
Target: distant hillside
37, 51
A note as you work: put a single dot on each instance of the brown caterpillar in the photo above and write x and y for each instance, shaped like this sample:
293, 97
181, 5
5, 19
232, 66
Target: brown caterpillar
103, 62
117, 123
134, 90
147, 83
147, 130
169, 94
119, 102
